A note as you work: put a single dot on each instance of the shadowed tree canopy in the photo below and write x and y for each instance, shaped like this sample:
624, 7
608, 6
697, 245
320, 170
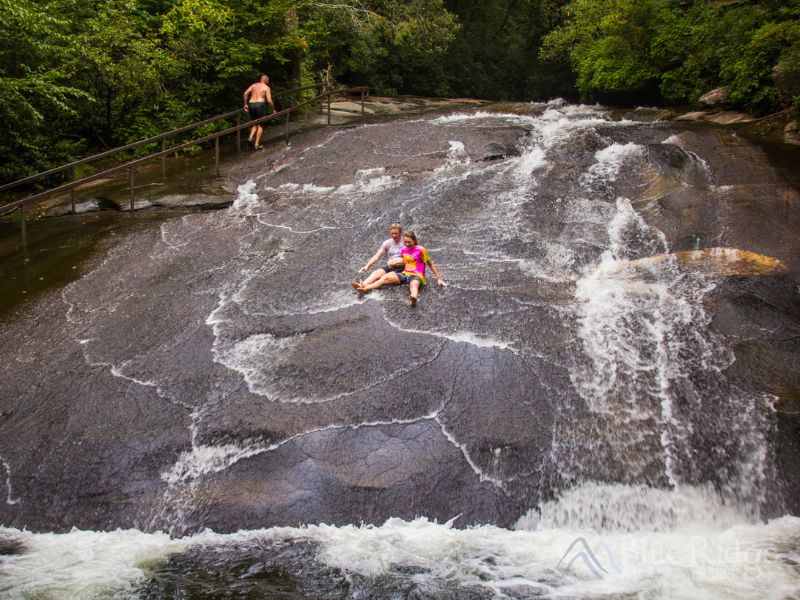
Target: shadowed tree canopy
675, 51
77, 75
80, 75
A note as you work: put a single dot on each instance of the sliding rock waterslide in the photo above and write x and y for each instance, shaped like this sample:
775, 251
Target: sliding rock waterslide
617, 350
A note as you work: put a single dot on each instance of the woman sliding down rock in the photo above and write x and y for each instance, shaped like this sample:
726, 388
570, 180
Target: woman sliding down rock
415, 258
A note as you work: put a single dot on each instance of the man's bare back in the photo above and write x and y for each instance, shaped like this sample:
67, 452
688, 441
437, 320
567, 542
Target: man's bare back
259, 92
256, 98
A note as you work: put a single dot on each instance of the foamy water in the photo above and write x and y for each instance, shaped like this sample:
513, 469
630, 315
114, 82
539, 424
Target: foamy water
456, 156
9, 491
563, 552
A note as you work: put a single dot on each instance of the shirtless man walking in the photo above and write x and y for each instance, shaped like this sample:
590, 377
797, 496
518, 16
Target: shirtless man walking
256, 98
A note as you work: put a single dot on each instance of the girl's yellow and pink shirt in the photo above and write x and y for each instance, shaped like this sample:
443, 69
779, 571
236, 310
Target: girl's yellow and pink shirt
415, 259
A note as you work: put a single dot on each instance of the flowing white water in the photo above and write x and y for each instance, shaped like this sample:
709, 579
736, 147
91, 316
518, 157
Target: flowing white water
678, 553
642, 344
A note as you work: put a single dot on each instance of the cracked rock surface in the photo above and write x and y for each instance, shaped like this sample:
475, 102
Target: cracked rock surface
218, 370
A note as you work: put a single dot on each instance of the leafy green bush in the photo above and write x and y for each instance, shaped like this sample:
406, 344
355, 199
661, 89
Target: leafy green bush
621, 45
772, 47
608, 43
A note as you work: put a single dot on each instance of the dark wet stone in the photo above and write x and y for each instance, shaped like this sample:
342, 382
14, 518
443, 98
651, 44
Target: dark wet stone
669, 157
266, 569
196, 201
289, 569
10, 545
104, 203
495, 151
762, 319
217, 370
365, 475
93, 204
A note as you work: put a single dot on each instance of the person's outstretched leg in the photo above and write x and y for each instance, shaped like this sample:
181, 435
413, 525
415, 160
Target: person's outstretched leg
387, 279
413, 290
374, 276
259, 131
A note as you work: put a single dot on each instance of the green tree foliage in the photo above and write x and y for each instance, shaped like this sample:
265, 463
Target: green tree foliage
113, 60
77, 75
610, 44
395, 47
682, 49
35, 92
771, 52
81, 75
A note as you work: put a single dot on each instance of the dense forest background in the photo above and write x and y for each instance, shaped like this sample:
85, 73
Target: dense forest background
80, 75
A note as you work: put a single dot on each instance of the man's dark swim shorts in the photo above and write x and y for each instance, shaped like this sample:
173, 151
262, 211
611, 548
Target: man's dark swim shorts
257, 110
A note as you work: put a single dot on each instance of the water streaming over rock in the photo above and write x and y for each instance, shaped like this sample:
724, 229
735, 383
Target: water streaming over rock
582, 389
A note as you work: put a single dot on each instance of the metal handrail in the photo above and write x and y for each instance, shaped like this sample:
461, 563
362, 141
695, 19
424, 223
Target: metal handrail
138, 143
131, 165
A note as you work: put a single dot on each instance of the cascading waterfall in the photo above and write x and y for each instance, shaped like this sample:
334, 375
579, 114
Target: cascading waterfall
659, 473
652, 365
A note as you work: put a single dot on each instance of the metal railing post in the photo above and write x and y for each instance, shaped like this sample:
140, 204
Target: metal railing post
362, 102
329, 108
72, 191
286, 130
163, 159
130, 172
216, 156
24, 232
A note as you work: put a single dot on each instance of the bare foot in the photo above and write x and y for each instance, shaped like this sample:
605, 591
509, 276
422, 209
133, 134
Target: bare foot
357, 285
413, 300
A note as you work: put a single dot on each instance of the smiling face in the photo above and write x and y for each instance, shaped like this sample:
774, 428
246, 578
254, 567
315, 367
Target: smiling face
409, 242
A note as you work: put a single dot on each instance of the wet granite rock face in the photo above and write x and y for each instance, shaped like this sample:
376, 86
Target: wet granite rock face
122, 376
86, 448
281, 569
746, 204
219, 371
719, 189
